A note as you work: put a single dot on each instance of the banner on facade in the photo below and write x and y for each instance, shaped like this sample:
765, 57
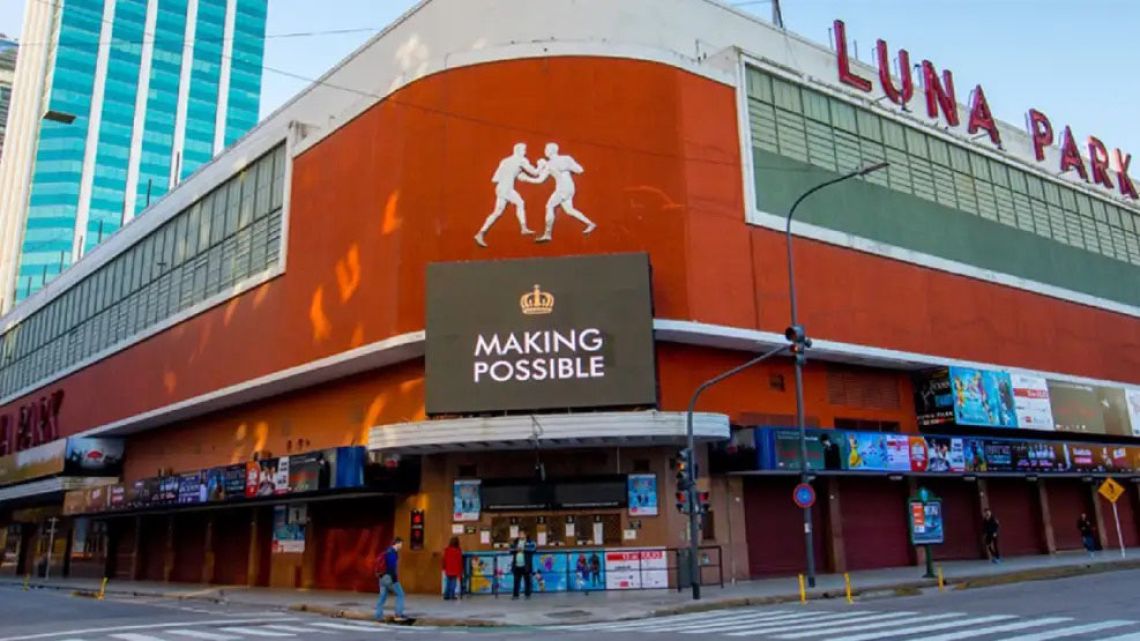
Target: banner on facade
289, 529
636, 569
540, 333
642, 494
466, 500
1031, 400
94, 457
34, 462
982, 397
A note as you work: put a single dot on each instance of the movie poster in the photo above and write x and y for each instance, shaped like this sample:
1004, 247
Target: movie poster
983, 397
945, 454
642, 494
466, 500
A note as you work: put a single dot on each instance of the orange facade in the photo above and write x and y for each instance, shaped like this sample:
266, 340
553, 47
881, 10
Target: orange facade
408, 182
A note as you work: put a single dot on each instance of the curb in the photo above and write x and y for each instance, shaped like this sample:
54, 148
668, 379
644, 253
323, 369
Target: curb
902, 588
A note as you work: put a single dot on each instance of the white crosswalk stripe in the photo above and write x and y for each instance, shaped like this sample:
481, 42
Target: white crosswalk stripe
351, 627
837, 620
1070, 631
878, 625
1014, 626
709, 624
1134, 636
295, 628
258, 632
623, 625
933, 627
131, 636
203, 635
821, 627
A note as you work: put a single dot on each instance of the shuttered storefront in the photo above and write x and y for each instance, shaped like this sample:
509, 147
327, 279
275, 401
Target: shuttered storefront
348, 536
961, 518
1015, 504
189, 547
1126, 506
774, 527
231, 547
1068, 498
875, 531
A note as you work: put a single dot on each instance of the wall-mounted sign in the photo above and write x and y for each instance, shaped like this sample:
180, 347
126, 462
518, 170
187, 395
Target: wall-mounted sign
34, 423
642, 494
1031, 400
540, 333
289, 529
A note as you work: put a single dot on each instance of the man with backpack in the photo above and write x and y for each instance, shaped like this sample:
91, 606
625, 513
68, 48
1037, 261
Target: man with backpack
387, 570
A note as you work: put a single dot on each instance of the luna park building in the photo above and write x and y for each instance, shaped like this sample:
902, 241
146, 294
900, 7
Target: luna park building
465, 284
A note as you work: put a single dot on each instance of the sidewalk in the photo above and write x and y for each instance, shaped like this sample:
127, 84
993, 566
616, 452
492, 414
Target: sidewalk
566, 608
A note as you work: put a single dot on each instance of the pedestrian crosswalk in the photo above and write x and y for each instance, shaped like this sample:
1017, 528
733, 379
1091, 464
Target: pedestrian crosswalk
284, 630
857, 624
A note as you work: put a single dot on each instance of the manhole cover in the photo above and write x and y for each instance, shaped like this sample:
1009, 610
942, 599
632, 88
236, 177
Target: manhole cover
568, 614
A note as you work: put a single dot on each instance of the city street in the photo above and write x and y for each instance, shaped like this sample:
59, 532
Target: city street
1097, 607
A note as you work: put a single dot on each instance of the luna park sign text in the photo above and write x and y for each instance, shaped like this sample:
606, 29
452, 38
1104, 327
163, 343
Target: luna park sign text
941, 104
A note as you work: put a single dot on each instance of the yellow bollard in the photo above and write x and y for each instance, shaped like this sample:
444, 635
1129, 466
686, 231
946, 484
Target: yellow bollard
27, 582
803, 591
847, 583
102, 589
941, 580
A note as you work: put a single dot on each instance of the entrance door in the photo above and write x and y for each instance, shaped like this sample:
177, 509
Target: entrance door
348, 536
774, 527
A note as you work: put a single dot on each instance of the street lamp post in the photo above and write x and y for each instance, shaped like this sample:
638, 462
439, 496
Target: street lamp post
801, 342
691, 460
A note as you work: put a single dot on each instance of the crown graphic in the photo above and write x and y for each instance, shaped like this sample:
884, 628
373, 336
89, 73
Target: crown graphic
536, 302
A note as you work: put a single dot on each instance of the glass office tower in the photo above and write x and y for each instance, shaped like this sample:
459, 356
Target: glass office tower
128, 98
7, 71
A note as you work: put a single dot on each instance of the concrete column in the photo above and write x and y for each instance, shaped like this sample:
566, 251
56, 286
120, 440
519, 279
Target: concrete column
835, 541
253, 569
136, 545
168, 550
983, 505
1098, 511
1046, 517
209, 562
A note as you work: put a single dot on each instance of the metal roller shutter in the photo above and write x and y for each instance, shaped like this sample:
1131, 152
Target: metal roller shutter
1014, 503
774, 527
961, 518
874, 523
1067, 499
1126, 506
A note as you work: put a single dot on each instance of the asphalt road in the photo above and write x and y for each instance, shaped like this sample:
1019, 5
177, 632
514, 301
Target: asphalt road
1102, 607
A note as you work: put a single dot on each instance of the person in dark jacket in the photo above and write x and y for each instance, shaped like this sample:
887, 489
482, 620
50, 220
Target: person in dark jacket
990, 527
390, 580
522, 563
452, 568
1085, 527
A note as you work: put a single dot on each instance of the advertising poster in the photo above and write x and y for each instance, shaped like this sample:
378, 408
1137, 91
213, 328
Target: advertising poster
308, 472
933, 401
167, 490
1039, 456
1132, 400
1114, 409
94, 457
919, 454
1031, 399
982, 397
288, 529
636, 569
1086, 457
1116, 459
281, 476
643, 494
945, 454
786, 448
189, 488
1075, 408
466, 500
225, 483
570, 571
926, 522
876, 452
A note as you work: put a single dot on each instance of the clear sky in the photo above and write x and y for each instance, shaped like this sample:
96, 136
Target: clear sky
1073, 59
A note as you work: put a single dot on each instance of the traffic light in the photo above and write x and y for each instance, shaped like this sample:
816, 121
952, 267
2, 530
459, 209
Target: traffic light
797, 336
704, 501
683, 502
681, 466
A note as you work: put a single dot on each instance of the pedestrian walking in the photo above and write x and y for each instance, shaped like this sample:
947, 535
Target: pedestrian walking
387, 568
452, 568
1085, 527
522, 563
990, 527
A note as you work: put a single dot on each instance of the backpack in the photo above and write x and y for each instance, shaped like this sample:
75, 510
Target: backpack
380, 565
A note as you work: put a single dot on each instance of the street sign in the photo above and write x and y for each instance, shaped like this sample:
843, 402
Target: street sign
804, 495
1111, 490
926, 522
